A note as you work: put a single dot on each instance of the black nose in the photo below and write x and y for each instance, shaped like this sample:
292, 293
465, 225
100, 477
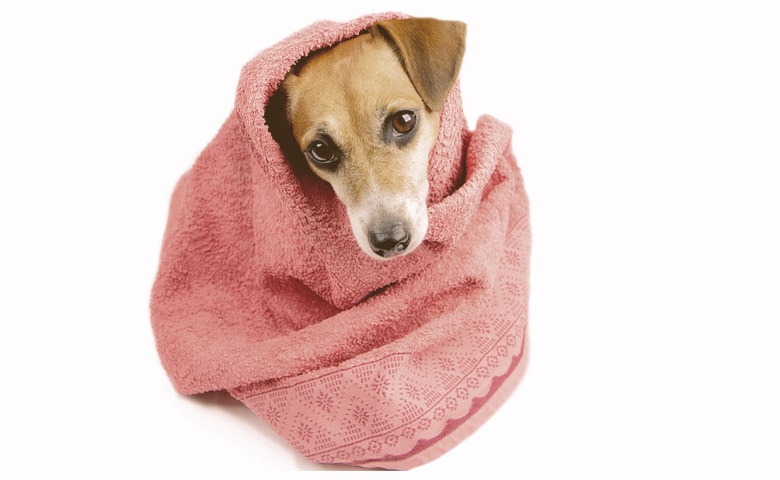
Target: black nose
389, 240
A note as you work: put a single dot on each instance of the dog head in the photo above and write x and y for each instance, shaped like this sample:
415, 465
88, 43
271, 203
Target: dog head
365, 114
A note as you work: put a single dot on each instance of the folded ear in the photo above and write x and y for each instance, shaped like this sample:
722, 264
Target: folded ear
431, 52
278, 124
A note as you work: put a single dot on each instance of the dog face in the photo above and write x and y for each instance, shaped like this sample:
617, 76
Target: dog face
365, 114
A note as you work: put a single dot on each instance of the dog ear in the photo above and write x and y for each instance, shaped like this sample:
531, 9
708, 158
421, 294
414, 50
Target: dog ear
276, 119
431, 52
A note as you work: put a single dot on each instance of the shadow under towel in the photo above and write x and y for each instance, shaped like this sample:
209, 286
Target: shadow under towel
262, 290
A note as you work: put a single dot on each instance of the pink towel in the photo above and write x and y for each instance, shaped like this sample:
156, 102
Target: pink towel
263, 291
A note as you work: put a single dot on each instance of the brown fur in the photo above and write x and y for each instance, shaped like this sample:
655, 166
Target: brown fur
346, 96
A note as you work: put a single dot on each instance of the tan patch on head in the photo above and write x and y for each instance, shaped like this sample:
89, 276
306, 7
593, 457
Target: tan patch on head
346, 93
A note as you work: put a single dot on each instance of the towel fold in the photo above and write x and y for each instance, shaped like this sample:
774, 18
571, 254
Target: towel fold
262, 290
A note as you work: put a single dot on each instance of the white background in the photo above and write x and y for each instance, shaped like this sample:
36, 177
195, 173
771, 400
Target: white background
649, 137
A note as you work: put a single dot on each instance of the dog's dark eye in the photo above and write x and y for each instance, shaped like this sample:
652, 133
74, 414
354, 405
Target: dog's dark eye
403, 122
322, 153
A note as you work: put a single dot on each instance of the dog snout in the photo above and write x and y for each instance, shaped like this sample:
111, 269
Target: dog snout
389, 239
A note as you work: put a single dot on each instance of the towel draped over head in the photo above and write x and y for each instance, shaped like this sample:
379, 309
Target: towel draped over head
262, 290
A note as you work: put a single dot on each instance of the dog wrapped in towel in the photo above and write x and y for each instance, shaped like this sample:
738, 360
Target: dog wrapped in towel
264, 291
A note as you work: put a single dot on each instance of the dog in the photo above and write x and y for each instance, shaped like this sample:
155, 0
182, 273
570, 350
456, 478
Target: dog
365, 116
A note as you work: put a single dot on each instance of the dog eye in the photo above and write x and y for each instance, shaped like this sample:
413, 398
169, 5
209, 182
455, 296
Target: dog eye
403, 122
321, 153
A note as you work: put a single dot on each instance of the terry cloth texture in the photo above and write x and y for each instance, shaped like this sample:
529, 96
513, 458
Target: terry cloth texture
263, 291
